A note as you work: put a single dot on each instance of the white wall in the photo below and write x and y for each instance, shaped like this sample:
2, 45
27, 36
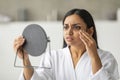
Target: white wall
108, 38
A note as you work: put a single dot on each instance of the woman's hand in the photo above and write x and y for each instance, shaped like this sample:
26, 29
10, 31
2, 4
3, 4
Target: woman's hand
17, 45
91, 48
89, 43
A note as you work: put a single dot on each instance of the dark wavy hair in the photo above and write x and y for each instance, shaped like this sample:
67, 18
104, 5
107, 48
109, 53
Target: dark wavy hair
87, 18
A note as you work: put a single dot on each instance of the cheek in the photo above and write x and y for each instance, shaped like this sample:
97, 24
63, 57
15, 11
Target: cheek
77, 36
76, 33
64, 34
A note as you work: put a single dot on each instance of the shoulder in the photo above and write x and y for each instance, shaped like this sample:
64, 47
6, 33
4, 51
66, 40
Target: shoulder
103, 53
106, 56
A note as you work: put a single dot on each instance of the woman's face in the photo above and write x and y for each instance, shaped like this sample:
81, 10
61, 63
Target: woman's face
72, 25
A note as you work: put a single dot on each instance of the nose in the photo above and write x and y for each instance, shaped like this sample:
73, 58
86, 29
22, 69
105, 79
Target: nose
70, 31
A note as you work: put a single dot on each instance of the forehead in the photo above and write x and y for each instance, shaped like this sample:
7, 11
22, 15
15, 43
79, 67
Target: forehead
74, 19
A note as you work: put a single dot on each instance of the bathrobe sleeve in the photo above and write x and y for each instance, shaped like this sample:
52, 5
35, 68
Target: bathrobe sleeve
109, 70
44, 72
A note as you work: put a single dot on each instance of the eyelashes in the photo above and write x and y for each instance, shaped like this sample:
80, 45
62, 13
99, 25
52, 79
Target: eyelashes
74, 27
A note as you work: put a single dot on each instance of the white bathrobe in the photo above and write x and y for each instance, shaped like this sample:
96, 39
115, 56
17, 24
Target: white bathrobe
62, 67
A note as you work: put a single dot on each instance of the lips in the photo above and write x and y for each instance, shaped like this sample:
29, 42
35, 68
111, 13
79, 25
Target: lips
69, 39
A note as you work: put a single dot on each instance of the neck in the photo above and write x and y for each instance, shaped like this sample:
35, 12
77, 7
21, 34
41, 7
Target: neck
77, 52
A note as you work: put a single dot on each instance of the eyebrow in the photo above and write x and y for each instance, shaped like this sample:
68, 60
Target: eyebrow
74, 24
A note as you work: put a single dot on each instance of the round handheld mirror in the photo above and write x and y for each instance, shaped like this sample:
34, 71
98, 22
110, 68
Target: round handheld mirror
35, 40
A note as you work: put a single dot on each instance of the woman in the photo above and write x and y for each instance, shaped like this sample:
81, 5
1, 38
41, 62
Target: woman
79, 60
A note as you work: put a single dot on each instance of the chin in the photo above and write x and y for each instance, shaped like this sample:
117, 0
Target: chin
69, 44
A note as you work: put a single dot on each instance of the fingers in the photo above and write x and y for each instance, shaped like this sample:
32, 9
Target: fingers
86, 38
18, 42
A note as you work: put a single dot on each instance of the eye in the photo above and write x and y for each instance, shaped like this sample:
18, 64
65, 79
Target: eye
65, 27
76, 27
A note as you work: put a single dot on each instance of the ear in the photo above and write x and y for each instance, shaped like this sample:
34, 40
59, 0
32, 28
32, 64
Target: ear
90, 31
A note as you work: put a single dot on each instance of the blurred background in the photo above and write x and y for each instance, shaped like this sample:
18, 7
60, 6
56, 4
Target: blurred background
34, 10
15, 15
